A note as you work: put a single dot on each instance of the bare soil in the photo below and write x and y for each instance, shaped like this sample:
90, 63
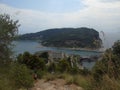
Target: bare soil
58, 84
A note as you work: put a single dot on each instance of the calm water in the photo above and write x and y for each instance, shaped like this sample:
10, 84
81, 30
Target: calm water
32, 47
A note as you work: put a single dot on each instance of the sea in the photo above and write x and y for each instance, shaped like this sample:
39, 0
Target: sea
34, 46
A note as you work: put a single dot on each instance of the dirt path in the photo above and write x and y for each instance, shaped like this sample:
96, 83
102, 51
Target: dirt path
58, 84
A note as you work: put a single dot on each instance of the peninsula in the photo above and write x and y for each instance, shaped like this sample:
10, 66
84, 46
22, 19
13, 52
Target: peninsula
66, 38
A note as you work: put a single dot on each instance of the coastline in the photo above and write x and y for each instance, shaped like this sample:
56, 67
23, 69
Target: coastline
100, 50
84, 49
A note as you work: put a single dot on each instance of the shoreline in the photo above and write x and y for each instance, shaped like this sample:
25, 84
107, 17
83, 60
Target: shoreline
100, 50
86, 49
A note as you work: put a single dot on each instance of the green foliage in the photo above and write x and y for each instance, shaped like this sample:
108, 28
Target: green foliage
14, 77
21, 75
6, 83
110, 65
116, 48
8, 31
106, 83
74, 70
98, 71
52, 67
25, 58
37, 63
49, 76
84, 72
45, 56
63, 66
106, 73
31, 61
40, 73
75, 79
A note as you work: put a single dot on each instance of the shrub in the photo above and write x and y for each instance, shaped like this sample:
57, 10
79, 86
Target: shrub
49, 77
40, 73
52, 67
31, 61
63, 66
21, 75
106, 72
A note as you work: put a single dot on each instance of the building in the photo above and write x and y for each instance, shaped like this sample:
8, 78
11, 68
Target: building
55, 56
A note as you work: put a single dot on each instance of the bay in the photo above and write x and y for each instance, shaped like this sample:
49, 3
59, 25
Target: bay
33, 46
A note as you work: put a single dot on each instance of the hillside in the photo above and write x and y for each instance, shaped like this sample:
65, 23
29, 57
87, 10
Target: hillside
66, 37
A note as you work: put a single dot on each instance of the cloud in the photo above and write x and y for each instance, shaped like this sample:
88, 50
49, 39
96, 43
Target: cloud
109, 0
97, 14
102, 4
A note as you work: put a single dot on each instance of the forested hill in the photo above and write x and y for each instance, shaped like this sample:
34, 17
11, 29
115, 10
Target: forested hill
66, 37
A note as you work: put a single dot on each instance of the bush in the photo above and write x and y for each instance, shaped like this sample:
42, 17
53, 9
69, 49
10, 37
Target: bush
31, 61
40, 73
106, 72
109, 64
21, 75
49, 77
76, 79
107, 83
52, 67
63, 66
6, 82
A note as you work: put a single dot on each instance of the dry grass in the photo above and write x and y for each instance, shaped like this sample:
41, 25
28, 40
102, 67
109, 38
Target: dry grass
49, 77
110, 83
78, 79
106, 83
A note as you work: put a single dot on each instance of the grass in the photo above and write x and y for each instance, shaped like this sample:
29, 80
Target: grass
86, 82
5, 82
79, 80
106, 83
109, 84
49, 77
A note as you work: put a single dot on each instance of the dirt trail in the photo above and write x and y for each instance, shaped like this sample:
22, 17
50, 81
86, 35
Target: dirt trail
58, 84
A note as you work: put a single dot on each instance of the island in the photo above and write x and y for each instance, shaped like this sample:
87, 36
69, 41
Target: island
66, 38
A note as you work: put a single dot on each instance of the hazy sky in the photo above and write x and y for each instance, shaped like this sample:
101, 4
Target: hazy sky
37, 15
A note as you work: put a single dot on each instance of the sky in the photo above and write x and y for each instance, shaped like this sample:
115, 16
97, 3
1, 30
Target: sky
38, 15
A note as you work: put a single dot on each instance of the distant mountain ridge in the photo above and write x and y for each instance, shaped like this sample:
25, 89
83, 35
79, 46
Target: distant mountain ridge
66, 37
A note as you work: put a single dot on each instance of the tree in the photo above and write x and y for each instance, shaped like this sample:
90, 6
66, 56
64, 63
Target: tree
8, 31
31, 61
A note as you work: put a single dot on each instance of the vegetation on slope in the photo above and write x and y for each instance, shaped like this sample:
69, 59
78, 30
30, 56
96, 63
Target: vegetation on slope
66, 37
12, 76
106, 73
